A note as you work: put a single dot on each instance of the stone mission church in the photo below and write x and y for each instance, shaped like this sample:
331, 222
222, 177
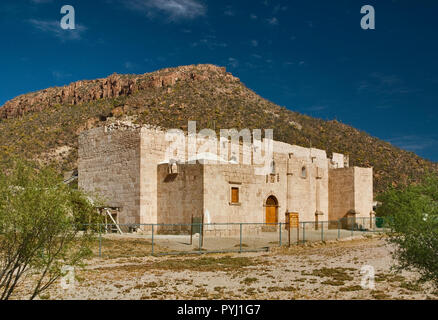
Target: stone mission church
125, 166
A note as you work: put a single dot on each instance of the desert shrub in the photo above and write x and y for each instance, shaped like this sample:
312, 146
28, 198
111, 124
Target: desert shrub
40, 223
411, 214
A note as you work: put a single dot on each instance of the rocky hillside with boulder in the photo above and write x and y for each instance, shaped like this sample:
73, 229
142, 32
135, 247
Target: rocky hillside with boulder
44, 125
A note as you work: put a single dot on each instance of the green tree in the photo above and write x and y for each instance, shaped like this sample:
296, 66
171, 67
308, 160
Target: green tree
411, 213
41, 228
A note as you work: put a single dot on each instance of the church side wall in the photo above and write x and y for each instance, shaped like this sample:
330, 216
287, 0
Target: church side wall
341, 192
109, 169
308, 194
350, 189
153, 151
253, 192
180, 195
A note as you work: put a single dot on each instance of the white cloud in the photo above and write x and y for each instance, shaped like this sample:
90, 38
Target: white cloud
211, 42
273, 21
129, 65
53, 27
278, 8
233, 62
385, 85
60, 75
229, 12
414, 142
174, 9
363, 86
317, 108
386, 80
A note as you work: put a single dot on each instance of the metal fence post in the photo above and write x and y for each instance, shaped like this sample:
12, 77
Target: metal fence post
152, 239
191, 232
202, 231
352, 227
280, 235
339, 229
200, 238
322, 231
240, 238
100, 241
298, 234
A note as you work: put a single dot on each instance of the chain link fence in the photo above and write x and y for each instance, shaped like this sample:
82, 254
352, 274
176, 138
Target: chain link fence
117, 241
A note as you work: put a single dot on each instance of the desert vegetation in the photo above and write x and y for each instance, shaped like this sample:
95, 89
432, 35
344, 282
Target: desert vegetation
321, 271
411, 213
42, 229
169, 99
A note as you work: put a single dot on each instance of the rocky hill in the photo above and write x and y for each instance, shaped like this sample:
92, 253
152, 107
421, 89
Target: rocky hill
44, 125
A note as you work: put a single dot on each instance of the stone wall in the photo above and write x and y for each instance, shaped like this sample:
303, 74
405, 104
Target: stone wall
180, 195
341, 192
363, 191
109, 167
253, 191
152, 151
350, 190
308, 193
127, 167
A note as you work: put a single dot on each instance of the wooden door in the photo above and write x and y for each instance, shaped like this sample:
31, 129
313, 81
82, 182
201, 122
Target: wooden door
271, 210
271, 214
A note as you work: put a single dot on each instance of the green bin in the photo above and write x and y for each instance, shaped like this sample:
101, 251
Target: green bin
379, 222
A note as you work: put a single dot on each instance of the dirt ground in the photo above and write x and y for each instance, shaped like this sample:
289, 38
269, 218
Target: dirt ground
314, 271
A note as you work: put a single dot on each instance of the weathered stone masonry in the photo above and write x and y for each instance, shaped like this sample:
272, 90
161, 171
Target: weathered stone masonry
125, 166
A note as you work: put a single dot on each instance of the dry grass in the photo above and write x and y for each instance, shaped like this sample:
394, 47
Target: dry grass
201, 264
121, 248
337, 274
330, 271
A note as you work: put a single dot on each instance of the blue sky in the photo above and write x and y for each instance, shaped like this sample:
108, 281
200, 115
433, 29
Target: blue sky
310, 56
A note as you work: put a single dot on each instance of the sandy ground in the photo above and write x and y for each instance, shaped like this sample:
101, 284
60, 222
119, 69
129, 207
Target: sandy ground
314, 271
114, 245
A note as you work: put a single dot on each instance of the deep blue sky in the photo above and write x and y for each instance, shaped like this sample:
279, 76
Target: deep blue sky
310, 56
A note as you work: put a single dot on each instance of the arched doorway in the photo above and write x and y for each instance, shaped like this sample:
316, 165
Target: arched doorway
272, 210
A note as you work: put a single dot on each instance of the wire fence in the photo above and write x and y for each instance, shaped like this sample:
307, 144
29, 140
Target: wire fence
172, 239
